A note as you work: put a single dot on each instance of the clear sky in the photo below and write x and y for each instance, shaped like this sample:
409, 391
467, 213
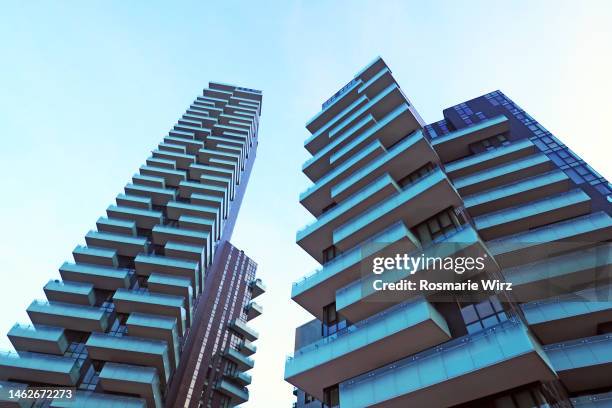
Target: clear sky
87, 89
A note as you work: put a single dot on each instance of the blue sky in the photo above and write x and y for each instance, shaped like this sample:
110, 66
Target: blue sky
87, 89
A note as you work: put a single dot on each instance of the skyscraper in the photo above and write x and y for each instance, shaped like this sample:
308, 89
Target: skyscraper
487, 179
153, 311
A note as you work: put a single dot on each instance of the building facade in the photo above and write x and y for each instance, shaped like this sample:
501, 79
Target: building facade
153, 311
486, 180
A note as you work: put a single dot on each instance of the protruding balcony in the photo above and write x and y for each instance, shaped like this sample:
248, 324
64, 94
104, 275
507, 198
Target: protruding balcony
570, 316
176, 209
96, 256
415, 203
319, 234
172, 177
191, 146
243, 363
247, 348
403, 330
319, 289
132, 379
430, 378
156, 327
519, 193
88, 399
504, 174
257, 288
533, 214
171, 285
158, 195
11, 401
253, 310
583, 364
456, 144
143, 203
602, 400
237, 393
147, 264
39, 368
188, 252
163, 234
68, 316
362, 298
490, 158
39, 339
241, 378
182, 160
562, 274
145, 219
241, 328
116, 226
542, 242
70, 292
99, 276
152, 181
130, 350
127, 301
123, 244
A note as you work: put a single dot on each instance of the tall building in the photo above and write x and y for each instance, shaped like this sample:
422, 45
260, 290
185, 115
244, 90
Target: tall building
487, 179
153, 311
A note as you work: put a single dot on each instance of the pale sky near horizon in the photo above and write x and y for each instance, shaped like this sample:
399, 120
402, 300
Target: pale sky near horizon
87, 89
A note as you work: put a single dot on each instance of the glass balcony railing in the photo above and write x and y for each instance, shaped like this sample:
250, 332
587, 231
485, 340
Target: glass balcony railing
235, 392
580, 353
68, 315
488, 156
244, 362
100, 277
87, 399
132, 379
431, 370
41, 368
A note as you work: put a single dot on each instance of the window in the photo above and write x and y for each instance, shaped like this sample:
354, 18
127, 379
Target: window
441, 225
481, 315
332, 322
416, 175
331, 397
329, 254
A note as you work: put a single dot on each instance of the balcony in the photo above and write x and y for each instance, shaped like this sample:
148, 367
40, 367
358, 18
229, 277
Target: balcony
96, 256
123, 244
99, 276
68, 316
456, 145
370, 163
490, 158
396, 122
158, 195
163, 234
116, 226
569, 316
562, 274
169, 147
187, 252
400, 331
360, 299
430, 378
541, 242
521, 192
130, 379
253, 310
247, 348
39, 339
583, 364
241, 378
593, 401
534, 214
257, 288
177, 209
196, 171
10, 401
145, 219
241, 328
158, 328
319, 289
413, 204
127, 301
148, 264
130, 350
171, 285
87, 399
243, 363
504, 174
171, 177
191, 146
182, 160
143, 203
237, 393
39, 368
70, 292
318, 235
